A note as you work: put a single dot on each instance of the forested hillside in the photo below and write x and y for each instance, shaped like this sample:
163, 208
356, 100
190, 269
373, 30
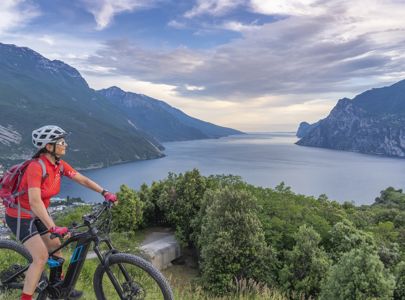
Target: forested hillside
276, 240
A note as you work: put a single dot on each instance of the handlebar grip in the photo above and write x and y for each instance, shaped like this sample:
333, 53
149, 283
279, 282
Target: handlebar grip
54, 236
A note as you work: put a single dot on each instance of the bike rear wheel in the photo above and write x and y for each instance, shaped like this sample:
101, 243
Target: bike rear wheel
13, 258
133, 277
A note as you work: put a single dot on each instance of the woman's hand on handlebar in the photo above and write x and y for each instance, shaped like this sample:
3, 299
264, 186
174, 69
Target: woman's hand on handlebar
57, 231
110, 197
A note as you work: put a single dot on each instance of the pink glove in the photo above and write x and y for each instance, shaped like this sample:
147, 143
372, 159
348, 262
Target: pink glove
110, 197
61, 231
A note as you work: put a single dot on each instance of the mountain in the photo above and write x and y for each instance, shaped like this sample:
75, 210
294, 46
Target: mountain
304, 128
372, 122
161, 120
35, 91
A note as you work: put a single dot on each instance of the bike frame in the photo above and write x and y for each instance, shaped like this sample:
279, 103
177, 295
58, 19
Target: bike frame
84, 240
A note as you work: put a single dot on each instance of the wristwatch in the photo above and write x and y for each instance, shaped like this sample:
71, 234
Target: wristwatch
104, 192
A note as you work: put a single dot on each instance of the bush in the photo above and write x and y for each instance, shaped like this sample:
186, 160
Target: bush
180, 200
232, 243
343, 237
399, 292
305, 265
127, 215
358, 275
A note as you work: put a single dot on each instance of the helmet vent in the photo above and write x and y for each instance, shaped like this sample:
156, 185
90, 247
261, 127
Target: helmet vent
46, 134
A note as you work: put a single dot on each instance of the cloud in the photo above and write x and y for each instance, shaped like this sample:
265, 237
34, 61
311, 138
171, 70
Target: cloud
47, 39
213, 7
290, 7
176, 24
105, 10
16, 13
342, 48
194, 88
238, 26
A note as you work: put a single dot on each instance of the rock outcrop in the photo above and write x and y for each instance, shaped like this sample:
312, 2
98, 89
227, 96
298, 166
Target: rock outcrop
373, 122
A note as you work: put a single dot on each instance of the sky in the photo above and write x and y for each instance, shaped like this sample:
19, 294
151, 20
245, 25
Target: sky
253, 65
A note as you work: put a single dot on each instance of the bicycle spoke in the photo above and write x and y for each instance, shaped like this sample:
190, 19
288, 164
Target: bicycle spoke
139, 286
13, 266
11, 263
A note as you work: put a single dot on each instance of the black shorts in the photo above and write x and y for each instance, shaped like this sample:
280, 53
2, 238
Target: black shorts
28, 227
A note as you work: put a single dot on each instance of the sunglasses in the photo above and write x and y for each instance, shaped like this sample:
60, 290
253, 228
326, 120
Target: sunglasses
61, 143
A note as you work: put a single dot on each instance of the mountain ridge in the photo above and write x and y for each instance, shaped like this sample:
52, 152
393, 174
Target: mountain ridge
161, 120
35, 91
373, 122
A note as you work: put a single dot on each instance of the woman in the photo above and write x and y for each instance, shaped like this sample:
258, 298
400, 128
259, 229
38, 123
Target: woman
36, 224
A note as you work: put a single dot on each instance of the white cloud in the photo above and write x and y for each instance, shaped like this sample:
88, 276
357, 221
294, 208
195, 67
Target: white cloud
194, 88
287, 7
213, 7
176, 24
47, 39
16, 13
238, 26
105, 10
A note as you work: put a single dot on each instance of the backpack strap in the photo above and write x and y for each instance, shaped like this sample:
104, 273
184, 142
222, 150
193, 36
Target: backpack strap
43, 167
44, 175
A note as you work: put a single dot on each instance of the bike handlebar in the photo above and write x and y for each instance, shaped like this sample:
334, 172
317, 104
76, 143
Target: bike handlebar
87, 219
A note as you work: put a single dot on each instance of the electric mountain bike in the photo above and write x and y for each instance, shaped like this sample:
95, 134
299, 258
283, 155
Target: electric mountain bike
118, 276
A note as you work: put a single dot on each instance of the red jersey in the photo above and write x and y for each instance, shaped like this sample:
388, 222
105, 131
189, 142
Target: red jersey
50, 186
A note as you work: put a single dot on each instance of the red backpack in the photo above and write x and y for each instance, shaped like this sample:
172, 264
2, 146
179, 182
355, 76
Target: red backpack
11, 180
9, 184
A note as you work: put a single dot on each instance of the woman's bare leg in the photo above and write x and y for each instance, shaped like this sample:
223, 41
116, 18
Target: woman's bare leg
39, 253
52, 244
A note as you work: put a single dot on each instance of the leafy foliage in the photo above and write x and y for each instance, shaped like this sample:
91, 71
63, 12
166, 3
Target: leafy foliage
359, 275
232, 242
128, 214
276, 237
306, 264
399, 292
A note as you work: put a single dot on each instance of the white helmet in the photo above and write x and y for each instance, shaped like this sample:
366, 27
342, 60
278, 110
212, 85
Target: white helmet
47, 134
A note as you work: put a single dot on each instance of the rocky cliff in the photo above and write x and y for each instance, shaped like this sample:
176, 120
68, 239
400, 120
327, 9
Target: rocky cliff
373, 122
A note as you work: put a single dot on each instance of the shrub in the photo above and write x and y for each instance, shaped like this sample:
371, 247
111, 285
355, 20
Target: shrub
232, 243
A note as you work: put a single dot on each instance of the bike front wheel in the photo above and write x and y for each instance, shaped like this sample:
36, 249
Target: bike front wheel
130, 277
14, 258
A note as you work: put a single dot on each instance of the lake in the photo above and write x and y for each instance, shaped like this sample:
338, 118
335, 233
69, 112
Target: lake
262, 159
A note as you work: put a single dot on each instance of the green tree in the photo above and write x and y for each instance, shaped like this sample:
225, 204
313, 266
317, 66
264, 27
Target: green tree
359, 275
343, 237
152, 213
232, 242
305, 265
399, 293
180, 200
127, 215
391, 197
389, 254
